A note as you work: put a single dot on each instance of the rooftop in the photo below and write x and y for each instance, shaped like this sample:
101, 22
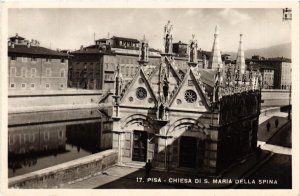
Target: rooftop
120, 38
181, 43
17, 37
274, 59
34, 50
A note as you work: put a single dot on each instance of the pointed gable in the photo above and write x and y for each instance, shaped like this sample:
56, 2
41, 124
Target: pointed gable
164, 69
139, 92
189, 94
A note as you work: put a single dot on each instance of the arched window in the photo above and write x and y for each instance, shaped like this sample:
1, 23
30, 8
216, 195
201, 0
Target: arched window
24, 71
62, 73
127, 71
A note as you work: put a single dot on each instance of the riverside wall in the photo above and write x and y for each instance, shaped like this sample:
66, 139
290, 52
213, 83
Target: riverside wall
67, 172
20, 102
275, 97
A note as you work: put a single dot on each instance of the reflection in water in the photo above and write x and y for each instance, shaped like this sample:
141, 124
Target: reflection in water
35, 147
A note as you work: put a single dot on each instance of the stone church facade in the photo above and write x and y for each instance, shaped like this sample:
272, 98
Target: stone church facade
204, 121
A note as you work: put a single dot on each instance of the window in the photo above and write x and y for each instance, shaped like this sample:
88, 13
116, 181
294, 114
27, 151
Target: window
190, 96
11, 140
190, 83
62, 60
48, 60
33, 72
24, 71
24, 59
47, 85
131, 71
23, 85
141, 93
46, 136
13, 71
33, 59
127, 71
13, 58
12, 85
62, 73
32, 85
48, 72
31, 138
60, 134
61, 85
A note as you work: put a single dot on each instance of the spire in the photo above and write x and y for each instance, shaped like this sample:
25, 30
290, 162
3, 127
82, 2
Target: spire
215, 60
240, 60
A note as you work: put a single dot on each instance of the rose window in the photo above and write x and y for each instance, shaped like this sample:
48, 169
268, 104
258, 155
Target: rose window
141, 93
190, 96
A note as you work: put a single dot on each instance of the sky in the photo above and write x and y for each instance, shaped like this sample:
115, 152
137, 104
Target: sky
69, 28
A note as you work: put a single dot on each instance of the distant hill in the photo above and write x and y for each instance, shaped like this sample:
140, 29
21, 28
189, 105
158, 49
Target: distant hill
281, 50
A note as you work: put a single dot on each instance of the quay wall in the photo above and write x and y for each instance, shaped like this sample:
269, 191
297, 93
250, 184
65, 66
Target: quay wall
19, 102
68, 172
269, 111
275, 97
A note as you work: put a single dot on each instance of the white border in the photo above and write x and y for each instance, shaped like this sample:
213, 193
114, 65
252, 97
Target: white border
154, 4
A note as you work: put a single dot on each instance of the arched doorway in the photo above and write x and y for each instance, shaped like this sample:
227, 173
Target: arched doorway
188, 152
139, 149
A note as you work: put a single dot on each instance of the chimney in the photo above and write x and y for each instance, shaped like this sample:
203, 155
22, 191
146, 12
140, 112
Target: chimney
28, 45
17, 35
81, 48
13, 45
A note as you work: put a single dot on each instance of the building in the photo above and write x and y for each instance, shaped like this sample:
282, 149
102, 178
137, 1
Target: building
180, 49
93, 67
205, 121
276, 72
32, 67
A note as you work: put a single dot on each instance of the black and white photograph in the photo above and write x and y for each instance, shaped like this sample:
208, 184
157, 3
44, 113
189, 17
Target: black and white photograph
146, 98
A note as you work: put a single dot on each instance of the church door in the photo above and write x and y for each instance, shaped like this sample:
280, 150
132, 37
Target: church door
188, 152
139, 151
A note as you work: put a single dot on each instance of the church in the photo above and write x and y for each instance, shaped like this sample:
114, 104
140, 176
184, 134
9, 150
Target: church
201, 122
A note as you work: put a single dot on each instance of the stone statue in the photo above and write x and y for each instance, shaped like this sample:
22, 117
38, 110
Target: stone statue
193, 49
167, 44
168, 36
192, 52
165, 88
143, 55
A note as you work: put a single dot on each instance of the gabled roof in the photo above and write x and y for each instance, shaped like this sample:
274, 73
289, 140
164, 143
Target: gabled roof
142, 74
190, 72
34, 50
207, 76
